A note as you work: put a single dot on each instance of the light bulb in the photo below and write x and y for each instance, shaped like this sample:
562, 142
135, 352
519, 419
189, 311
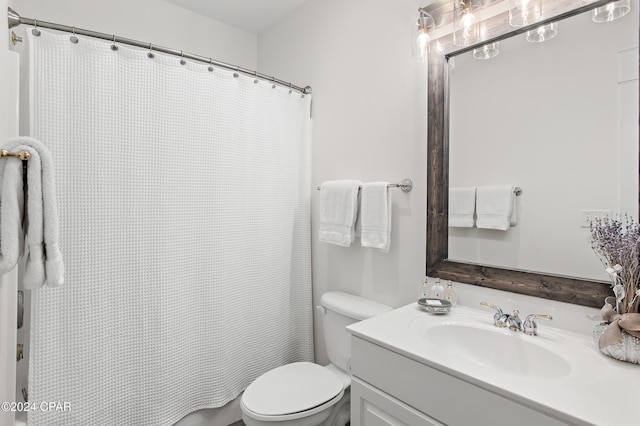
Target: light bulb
422, 41
524, 12
465, 24
468, 19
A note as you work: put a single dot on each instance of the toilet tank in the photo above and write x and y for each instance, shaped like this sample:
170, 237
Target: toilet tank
340, 310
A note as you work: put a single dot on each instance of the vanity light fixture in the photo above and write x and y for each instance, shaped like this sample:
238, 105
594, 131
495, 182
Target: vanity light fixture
466, 26
487, 51
611, 11
543, 33
421, 39
524, 12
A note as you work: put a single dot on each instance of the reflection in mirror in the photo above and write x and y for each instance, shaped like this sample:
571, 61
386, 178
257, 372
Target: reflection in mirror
559, 120
531, 271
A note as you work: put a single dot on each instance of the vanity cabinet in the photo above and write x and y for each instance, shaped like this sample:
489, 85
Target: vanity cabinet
371, 406
391, 389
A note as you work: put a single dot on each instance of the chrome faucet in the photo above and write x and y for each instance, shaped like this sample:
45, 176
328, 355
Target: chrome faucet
513, 322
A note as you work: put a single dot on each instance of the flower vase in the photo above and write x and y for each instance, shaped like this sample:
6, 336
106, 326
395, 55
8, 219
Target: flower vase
627, 350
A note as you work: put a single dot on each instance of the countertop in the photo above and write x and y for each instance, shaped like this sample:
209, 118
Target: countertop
597, 391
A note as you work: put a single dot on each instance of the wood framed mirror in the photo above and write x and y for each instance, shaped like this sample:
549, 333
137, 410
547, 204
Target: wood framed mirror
545, 285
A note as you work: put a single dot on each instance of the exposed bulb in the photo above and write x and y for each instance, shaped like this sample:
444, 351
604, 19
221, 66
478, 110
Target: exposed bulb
465, 24
421, 39
422, 43
468, 20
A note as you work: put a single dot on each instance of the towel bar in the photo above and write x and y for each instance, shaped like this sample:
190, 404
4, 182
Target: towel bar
406, 185
23, 155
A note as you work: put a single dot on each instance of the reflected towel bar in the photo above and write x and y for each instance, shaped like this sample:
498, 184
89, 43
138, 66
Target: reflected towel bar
406, 185
23, 155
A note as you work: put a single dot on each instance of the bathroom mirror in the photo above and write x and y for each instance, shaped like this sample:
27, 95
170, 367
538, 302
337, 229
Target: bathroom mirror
446, 257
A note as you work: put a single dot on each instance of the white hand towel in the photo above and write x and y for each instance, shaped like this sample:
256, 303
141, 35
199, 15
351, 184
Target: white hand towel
44, 263
375, 215
11, 213
462, 206
496, 207
338, 210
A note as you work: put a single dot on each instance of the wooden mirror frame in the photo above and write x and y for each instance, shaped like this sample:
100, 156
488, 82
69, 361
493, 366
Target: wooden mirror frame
554, 287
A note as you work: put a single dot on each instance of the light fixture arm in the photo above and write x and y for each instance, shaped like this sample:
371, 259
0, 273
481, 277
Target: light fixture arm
425, 21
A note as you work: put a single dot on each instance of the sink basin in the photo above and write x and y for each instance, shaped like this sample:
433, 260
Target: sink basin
499, 349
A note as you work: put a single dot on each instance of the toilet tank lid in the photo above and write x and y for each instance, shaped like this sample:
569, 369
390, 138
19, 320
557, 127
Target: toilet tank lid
352, 306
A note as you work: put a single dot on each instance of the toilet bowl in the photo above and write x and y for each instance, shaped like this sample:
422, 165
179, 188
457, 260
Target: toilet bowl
304, 393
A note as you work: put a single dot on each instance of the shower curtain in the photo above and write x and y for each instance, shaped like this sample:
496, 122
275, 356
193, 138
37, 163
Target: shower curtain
184, 202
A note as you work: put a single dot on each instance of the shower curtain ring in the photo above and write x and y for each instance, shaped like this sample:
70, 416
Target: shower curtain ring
255, 77
73, 38
182, 61
150, 55
210, 65
35, 31
113, 45
290, 88
237, 73
273, 81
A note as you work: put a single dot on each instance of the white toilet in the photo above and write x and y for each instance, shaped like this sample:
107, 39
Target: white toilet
307, 394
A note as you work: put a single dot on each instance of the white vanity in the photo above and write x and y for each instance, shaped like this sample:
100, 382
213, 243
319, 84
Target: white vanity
414, 368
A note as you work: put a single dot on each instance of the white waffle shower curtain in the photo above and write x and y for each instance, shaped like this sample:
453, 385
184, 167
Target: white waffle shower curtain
184, 205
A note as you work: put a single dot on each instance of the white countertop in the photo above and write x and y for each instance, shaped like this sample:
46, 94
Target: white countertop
597, 391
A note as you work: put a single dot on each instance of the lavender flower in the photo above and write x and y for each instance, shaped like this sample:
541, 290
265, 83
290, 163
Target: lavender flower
617, 244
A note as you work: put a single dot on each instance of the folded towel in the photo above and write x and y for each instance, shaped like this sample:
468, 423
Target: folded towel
496, 207
338, 210
11, 213
375, 215
44, 264
462, 206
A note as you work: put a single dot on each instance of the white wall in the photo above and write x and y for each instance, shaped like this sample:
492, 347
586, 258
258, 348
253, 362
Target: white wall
152, 21
369, 121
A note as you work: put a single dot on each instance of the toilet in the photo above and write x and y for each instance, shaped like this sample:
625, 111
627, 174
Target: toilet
304, 393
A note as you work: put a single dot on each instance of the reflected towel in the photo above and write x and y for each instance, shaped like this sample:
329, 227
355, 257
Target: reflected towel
462, 206
375, 215
496, 207
338, 210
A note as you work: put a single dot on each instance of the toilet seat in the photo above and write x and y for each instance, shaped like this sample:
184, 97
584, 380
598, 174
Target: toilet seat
292, 391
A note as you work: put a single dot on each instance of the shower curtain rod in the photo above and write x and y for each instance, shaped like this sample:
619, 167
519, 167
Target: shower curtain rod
15, 19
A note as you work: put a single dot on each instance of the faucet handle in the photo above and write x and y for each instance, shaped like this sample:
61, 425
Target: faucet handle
529, 326
499, 318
